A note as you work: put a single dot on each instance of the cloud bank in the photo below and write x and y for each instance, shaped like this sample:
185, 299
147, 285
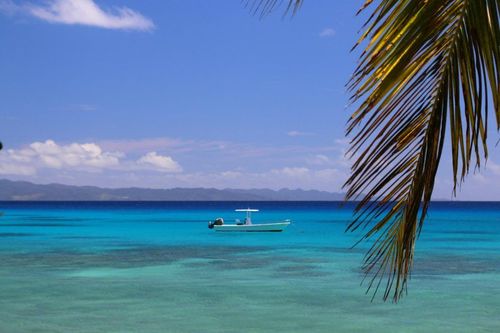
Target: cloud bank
143, 163
86, 157
169, 162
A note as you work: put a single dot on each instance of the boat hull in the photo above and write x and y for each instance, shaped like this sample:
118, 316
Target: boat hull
267, 227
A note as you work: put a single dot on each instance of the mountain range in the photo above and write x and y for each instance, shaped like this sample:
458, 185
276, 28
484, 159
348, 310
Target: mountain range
26, 191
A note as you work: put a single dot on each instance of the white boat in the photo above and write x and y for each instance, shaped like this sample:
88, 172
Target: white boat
247, 225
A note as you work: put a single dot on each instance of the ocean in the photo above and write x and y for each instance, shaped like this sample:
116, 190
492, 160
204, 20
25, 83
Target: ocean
156, 267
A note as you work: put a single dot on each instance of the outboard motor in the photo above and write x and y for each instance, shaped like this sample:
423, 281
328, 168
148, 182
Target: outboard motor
218, 221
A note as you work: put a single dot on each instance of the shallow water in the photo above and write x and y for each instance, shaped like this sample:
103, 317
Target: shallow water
155, 267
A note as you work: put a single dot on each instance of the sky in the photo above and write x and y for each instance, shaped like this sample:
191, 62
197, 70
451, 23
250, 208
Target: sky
185, 93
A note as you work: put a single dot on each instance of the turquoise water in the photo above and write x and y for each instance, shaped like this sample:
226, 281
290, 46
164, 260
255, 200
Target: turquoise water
156, 267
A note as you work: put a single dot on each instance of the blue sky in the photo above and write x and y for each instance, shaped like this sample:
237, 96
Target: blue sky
183, 93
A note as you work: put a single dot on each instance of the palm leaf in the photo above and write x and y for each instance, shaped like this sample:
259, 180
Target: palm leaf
426, 65
265, 7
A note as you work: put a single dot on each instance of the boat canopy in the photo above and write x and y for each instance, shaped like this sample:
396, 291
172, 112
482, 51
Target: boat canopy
246, 210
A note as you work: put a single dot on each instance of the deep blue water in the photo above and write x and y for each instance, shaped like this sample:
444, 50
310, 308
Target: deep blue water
156, 267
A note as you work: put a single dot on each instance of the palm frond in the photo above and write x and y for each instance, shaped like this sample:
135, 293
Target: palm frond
426, 64
265, 7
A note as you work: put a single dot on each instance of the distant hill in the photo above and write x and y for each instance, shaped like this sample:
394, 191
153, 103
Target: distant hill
26, 191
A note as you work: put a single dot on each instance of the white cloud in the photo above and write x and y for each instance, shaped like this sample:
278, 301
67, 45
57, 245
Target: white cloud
231, 174
292, 171
83, 12
327, 179
159, 162
493, 167
478, 184
320, 159
299, 133
78, 157
49, 154
327, 32
16, 169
